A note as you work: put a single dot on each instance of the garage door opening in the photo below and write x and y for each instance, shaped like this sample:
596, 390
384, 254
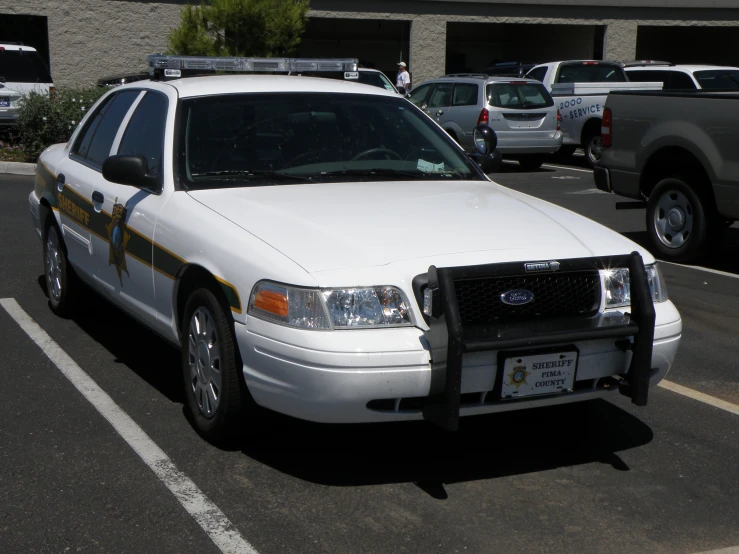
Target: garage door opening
376, 43
473, 47
29, 30
695, 45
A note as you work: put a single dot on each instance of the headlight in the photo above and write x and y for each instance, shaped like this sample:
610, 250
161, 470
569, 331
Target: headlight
618, 290
292, 306
330, 308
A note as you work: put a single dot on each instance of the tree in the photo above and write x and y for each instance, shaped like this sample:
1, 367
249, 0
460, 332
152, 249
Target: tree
258, 28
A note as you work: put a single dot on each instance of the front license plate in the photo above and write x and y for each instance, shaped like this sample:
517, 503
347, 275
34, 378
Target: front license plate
4, 101
532, 375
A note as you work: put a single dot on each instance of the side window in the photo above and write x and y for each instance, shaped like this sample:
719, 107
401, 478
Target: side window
680, 80
441, 97
96, 139
465, 94
537, 73
144, 134
419, 95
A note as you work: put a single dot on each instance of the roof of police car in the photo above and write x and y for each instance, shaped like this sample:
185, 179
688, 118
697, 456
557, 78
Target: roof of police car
233, 84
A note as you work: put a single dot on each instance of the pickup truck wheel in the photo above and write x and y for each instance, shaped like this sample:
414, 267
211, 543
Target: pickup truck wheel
62, 286
532, 162
680, 222
593, 150
210, 367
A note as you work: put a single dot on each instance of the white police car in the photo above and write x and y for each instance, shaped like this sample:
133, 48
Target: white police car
324, 249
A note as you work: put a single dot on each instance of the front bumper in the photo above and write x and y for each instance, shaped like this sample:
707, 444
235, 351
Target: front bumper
401, 374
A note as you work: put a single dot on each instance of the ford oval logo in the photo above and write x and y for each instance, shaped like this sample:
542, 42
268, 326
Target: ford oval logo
517, 297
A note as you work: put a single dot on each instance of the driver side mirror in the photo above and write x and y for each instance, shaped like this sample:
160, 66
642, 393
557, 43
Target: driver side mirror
485, 139
133, 171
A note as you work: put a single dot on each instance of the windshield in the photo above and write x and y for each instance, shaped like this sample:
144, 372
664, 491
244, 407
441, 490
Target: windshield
591, 72
718, 78
293, 138
23, 66
519, 96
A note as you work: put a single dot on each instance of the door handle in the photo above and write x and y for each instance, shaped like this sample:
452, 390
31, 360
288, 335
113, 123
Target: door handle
98, 197
440, 112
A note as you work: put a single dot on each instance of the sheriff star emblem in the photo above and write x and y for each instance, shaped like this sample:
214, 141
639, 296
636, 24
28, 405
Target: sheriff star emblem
118, 237
518, 375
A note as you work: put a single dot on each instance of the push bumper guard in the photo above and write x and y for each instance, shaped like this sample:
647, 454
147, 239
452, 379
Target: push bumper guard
449, 339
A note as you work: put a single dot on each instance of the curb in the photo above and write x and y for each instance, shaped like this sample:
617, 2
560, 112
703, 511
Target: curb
17, 168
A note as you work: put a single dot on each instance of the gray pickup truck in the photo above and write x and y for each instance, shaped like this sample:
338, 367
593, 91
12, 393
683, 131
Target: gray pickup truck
678, 154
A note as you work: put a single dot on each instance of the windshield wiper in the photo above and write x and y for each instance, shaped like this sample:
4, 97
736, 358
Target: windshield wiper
278, 175
389, 173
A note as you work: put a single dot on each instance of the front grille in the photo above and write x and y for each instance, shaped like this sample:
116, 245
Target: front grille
555, 295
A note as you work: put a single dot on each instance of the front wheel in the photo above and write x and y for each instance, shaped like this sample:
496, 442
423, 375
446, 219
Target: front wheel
62, 286
210, 367
681, 222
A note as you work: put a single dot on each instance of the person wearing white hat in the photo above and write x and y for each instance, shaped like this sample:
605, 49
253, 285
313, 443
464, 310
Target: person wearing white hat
403, 80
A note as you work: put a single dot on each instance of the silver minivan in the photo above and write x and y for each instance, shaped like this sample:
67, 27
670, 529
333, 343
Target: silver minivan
520, 111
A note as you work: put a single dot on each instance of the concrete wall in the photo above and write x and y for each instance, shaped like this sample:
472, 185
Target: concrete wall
89, 39
92, 38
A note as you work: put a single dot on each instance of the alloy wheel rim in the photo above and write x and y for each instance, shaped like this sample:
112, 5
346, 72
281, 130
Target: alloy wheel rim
204, 360
595, 149
673, 219
53, 265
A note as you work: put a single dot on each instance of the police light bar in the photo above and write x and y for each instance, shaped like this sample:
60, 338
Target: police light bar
174, 67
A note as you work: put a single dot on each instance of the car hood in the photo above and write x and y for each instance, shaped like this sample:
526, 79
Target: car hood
332, 226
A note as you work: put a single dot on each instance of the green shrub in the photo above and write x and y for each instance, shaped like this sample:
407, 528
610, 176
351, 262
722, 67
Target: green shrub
45, 120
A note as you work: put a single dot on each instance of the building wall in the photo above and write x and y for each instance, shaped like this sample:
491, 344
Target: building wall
89, 39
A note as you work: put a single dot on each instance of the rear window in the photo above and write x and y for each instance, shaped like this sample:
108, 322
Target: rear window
718, 78
23, 66
527, 96
591, 73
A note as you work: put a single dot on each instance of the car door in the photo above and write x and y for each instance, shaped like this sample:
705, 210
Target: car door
464, 112
123, 255
79, 175
419, 96
439, 102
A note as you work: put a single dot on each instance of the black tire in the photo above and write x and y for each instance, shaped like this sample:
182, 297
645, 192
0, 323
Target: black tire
682, 221
220, 376
593, 146
62, 284
564, 154
452, 134
532, 162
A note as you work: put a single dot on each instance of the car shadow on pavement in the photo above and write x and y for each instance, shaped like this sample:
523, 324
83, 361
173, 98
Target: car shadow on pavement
153, 359
723, 257
485, 447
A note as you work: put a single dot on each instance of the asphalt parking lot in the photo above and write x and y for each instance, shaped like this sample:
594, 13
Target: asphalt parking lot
603, 476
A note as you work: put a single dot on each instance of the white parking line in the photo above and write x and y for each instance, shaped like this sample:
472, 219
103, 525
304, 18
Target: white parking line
215, 524
550, 166
700, 397
729, 550
706, 269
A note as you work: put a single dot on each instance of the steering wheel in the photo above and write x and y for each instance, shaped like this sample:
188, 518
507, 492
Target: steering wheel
366, 153
307, 154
